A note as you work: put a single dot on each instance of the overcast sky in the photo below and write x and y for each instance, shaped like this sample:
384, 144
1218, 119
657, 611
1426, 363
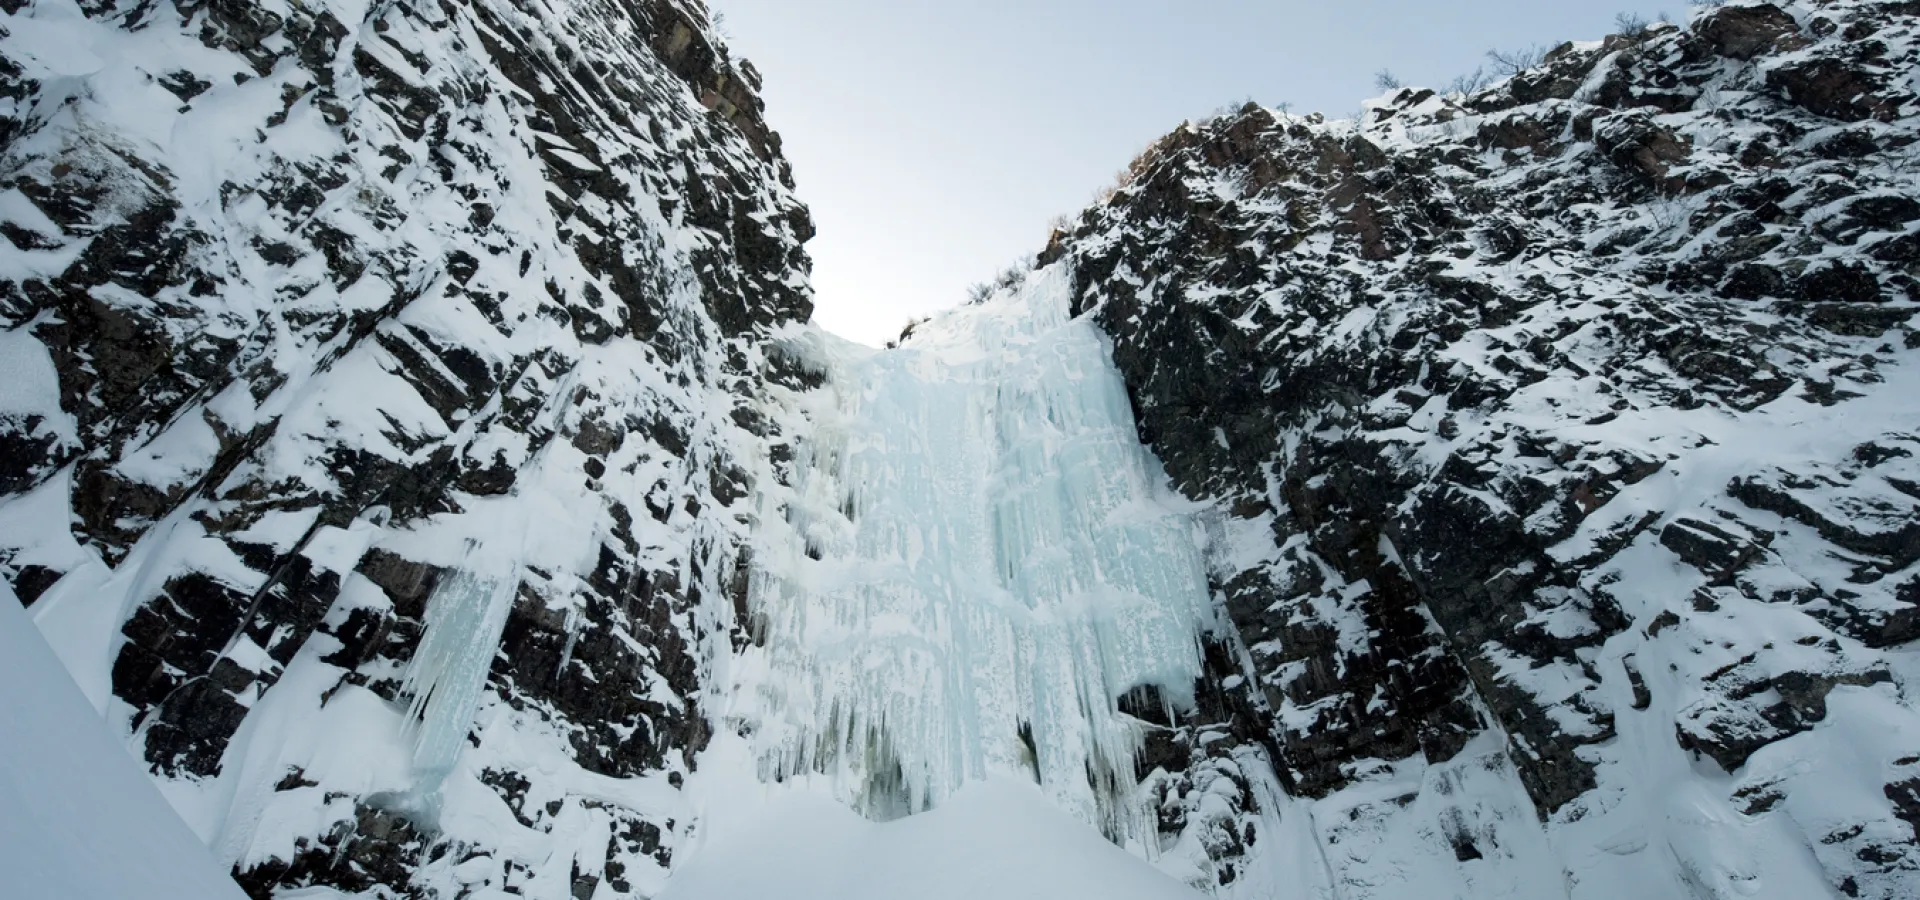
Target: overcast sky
935, 141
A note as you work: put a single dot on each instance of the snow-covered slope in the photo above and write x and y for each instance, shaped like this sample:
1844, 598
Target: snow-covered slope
81, 819
998, 839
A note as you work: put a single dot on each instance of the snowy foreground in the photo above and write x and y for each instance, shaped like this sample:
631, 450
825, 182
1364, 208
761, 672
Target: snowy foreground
998, 839
79, 820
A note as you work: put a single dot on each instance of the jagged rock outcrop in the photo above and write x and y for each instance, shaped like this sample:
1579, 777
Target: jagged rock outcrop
1574, 412
309, 304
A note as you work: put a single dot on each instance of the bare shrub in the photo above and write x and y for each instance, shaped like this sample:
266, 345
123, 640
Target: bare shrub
1467, 83
1513, 62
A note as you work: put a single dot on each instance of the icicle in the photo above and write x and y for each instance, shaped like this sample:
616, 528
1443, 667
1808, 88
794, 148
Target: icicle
566, 650
466, 616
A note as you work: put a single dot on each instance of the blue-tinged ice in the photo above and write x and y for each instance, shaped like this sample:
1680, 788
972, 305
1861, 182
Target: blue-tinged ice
465, 619
979, 559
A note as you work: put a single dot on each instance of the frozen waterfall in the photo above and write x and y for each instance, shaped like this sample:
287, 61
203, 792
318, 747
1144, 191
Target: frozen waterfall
976, 559
465, 617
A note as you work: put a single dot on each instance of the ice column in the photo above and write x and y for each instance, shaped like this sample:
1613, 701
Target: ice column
466, 616
983, 559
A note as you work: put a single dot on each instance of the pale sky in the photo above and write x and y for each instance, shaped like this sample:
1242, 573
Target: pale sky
935, 141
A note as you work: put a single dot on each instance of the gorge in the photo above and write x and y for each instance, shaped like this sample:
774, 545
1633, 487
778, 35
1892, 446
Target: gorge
414, 446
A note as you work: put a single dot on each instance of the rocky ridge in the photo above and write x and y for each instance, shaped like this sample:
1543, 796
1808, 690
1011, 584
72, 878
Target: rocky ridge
1560, 438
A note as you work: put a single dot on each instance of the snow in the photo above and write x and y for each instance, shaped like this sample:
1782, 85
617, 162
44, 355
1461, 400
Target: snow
999, 838
1397, 833
29, 384
81, 820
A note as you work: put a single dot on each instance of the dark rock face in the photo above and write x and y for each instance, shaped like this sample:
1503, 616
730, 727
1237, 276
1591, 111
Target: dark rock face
1719, 550
1424, 360
1744, 32
371, 289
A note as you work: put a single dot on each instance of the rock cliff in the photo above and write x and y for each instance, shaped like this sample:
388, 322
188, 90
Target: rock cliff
1573, 413
311, 306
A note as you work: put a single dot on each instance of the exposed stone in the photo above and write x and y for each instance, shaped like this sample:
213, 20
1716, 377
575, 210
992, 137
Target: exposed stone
1717, 550
1744, 32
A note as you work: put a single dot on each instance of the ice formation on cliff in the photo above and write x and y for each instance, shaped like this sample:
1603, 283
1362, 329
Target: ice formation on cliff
465, 618
977, 561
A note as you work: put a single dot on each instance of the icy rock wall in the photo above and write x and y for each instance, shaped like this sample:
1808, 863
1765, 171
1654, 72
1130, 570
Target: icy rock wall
298, 303
976, 561
1564, 429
